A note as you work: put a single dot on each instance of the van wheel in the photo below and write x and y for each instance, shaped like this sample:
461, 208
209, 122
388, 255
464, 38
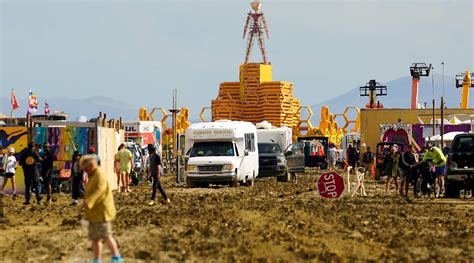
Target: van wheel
190, 183
235, 182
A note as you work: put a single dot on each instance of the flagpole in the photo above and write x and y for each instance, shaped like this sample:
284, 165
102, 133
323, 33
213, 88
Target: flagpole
11, 112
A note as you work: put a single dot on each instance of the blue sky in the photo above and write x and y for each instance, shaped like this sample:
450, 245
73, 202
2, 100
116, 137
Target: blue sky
138, 51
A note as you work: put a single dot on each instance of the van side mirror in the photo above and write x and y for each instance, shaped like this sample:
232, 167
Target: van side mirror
246, 152
288, 153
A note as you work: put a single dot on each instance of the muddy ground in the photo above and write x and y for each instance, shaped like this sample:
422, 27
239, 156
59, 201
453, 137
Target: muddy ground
271, 221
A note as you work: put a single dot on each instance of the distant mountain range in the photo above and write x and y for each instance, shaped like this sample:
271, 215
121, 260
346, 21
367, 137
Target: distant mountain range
399, 96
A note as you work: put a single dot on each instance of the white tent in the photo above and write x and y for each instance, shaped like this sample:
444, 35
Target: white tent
446, 137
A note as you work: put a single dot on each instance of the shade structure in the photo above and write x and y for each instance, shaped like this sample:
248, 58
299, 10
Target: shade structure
256, 98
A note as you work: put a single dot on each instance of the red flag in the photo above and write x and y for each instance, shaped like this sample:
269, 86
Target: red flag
46, 108
14, 101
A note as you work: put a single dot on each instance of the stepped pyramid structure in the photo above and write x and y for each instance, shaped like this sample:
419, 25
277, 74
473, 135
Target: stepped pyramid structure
256, 97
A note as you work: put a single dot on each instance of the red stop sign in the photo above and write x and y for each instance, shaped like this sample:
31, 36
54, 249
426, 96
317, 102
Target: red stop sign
330, 185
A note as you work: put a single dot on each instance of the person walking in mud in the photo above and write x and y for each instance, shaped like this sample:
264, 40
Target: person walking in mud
48, 160
408, 160
77, 179
155, 174
439, 160
391, 167
10, 170
117, 167
368, 160
28, 161
332, 157
99, 209
125, 158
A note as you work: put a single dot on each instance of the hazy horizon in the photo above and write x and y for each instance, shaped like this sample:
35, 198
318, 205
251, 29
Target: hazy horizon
138, 51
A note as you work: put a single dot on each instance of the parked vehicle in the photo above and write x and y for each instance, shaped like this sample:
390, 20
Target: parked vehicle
295, 161
222, 152
315, 149
140, 162
271, 143
460, 165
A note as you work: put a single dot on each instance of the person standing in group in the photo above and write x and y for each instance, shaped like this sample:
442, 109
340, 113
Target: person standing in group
391, 167
3, 161
99, 209
77, 183
10, 170
93, 152
125, 159
28, 161
155, 174
439, 160
408, 160
332, 157
352, 156
39, 167
368, 160
47, 170
117, 167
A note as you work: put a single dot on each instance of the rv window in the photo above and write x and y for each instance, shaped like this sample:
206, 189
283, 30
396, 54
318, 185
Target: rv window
201, 149
249, 142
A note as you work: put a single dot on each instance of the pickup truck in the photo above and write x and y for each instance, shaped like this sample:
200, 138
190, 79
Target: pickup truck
460, 165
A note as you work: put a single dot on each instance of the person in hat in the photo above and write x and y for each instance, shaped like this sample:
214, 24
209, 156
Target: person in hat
99, 209
10, 170
28, 161
47, 170
93, 152
155, 174
77, 179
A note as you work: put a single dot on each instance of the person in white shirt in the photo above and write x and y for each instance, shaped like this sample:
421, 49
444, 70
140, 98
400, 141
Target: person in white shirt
10, 170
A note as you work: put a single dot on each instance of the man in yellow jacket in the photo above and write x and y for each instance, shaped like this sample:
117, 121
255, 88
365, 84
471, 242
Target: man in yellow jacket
99, 209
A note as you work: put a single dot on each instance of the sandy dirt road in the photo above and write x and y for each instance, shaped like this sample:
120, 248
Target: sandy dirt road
271, 221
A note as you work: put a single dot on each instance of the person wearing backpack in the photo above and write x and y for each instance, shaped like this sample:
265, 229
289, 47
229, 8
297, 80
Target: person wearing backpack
28, 161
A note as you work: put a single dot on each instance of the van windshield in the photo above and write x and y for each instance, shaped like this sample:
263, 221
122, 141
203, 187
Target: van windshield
269, 148
212, 149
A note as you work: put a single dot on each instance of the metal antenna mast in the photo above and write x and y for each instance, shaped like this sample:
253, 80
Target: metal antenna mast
254, 26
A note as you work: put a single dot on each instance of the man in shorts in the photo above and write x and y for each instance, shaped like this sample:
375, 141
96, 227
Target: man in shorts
99, 209
332, 157
439, 160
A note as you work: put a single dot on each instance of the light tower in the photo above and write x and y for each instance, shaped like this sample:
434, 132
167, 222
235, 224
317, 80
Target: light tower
254, 25
417, 70
373, 89
465, 82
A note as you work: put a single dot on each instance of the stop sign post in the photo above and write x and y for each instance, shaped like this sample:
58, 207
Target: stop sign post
330, 185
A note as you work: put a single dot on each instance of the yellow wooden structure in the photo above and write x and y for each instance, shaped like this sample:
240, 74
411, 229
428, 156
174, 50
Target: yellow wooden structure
256, 98
466, 85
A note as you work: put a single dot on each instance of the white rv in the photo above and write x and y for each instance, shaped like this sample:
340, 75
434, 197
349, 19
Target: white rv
268, 133
223, 152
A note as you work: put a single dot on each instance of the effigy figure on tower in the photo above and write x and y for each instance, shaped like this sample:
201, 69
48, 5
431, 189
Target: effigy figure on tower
254, 26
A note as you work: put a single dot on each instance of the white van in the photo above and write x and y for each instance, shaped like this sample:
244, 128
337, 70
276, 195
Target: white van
222, 152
